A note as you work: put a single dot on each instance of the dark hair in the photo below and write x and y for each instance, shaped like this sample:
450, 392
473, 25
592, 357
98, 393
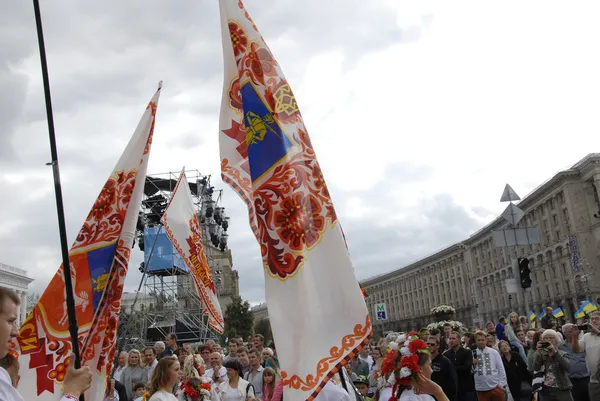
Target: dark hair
235, 365
205, 347
138, 386
6, 293
8, 361
172, 336
262, 338
434, 332
151, 349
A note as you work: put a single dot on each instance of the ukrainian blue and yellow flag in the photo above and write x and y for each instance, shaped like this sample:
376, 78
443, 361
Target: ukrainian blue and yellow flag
531, 316
541, 315
589, 307
580, 314
558, 312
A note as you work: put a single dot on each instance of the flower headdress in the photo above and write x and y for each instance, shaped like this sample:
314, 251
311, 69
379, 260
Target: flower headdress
402, 362
196, 391
192, 365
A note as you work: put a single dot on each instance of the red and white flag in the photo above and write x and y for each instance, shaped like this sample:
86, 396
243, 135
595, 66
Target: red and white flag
316, 308
183, 229
99, 259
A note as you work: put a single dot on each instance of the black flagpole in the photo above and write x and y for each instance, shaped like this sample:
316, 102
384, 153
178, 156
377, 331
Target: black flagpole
73, 328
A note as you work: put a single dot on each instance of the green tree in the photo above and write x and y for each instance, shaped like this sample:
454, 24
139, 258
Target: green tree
264, 327
238, 319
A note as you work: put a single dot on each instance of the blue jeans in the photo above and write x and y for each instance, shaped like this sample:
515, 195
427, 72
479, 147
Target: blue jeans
520, 348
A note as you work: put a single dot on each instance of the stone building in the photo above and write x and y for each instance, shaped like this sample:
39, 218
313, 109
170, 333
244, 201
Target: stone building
260, 312
471, 275
16, 279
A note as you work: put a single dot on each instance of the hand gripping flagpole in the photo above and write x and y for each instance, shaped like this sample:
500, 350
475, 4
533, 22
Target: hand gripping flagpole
73, 328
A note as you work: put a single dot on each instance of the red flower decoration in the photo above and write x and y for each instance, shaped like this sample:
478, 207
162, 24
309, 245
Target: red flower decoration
411, 362
239, 40
412, 333
205, 386
390, 361
300, 221
416, 345
260, 62
235, 95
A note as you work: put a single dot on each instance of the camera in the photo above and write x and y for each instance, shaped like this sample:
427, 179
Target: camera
583, 326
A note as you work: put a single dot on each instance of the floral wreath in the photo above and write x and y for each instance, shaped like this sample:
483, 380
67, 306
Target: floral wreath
402, 361
197, 392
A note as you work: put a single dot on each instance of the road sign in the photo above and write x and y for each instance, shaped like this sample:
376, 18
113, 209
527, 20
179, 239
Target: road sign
509, 194
513, 214
380, 312
517, 236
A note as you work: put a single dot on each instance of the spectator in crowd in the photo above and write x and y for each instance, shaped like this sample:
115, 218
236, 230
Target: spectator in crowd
462, 358
499, 329
578, 372
556, 365
490, 376
517, 375
171, 345
443, 370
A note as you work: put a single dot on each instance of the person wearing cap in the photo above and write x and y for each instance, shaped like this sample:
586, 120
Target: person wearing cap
362, 385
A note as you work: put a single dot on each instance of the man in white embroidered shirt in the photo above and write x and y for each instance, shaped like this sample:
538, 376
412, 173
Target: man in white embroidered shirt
490, 377
75, 382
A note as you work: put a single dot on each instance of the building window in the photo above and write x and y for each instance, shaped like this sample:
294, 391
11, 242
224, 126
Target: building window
555, 219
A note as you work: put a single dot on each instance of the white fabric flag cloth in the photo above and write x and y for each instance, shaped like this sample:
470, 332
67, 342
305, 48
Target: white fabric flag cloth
99, 259
183, 229
316, 307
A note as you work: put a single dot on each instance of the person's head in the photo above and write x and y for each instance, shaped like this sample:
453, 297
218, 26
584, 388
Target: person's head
267, 353
549, 311
259, 340
234, 369
181, 354
217, 348
364, 352
447, 329
523, 320
166, 375
11, 365
376, 353
425, 365
205, 351
595, 319
123, 359
149, 355
134, 357
215, 360
480, 339
550, 336
254, 357
362, 385
139, 389
504, 347
242, 354
171, 340
490, 327
501, 320
269, 376
454, 340
520, 334
233, 346
537, 336
9, 301
513, 318
159, 347
491, 340
433, 343
188, 347
530, 334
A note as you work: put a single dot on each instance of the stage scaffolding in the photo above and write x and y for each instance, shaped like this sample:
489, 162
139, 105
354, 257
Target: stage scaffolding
166, 300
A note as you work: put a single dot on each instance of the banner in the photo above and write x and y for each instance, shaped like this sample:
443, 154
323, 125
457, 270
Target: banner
183, 229
99, 259
316, 308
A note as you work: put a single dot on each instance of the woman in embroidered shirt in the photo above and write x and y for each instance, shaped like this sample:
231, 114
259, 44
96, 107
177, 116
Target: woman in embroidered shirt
234, 388
166, 375
194, 368
273, 388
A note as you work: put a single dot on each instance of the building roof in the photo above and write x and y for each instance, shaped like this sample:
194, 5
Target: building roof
574, 171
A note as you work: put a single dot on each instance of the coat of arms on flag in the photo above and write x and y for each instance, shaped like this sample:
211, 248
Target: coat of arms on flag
183, 229
316, 307
99, 259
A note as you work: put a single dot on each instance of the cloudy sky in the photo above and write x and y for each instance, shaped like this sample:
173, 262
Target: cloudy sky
420, 112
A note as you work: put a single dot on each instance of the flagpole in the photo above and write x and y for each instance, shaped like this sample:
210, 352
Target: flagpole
73, 328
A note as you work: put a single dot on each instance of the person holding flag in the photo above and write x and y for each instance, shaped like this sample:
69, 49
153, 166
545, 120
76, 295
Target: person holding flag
76, 381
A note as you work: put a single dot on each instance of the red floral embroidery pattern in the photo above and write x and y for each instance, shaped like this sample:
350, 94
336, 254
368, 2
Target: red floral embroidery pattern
329, 365
239, 40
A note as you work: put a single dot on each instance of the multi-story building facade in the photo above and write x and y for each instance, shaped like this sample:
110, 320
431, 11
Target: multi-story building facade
16, 279
260, 312
471, 275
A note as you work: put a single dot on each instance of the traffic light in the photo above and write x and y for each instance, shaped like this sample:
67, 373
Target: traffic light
524, 273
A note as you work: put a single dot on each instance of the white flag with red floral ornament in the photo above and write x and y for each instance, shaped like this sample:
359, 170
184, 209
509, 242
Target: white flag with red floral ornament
183, 229
316, 307
99, 259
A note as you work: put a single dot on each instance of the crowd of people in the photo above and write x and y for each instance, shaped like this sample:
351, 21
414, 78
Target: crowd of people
505, 361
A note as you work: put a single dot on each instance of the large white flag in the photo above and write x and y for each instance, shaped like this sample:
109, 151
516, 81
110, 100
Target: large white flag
99, 259
183, 229
316, 307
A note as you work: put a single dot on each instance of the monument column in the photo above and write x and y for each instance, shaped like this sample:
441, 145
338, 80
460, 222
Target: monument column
23, 306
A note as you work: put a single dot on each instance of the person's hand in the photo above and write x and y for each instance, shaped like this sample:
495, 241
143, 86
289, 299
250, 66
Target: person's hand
551, 350
77, 381
474, 361
538, 346
424, 385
